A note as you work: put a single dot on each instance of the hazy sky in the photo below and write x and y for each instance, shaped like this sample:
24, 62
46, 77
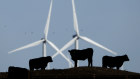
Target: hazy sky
112, 23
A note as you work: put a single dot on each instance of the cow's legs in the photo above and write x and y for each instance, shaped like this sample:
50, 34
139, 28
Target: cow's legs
111, 67
75, 61
118, 68
104, 64
31, 68
43, 68
89, 62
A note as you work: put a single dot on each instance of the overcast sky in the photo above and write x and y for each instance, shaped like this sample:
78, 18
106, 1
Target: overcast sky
112, 23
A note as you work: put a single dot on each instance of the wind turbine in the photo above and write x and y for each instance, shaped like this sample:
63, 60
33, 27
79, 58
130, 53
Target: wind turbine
83, 37
43, 40
78, 36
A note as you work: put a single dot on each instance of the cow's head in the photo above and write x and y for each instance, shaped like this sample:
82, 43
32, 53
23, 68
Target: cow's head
49, 59
73, 50
72, 53
126, 58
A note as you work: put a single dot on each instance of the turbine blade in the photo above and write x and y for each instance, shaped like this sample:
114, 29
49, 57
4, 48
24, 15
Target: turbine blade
68, 44
75, 18
65, 46
97, 44
53, 45
48, 21
62, 56
69, 59
59, 51
66, 58
55, 54
27, 46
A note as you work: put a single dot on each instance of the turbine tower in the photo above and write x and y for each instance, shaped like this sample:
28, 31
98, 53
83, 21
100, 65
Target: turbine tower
78, 36
44, 40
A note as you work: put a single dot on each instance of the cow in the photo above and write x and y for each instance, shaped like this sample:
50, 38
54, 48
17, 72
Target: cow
82, 55
109, 61
17, 73
38, 63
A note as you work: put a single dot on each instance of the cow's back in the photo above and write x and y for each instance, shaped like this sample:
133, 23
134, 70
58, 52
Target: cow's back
113, 61
108, 61
87, 53
82, 54
36, 63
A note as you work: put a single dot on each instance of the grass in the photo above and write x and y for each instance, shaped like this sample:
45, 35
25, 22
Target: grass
84, 72
80, 72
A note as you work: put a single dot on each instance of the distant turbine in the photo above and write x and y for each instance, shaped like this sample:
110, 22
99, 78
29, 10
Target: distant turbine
43, 40
78, 36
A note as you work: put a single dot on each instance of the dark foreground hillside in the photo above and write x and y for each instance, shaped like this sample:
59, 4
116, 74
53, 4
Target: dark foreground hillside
80, 72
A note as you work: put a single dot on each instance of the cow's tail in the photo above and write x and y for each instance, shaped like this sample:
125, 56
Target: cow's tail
30, 65
103, 62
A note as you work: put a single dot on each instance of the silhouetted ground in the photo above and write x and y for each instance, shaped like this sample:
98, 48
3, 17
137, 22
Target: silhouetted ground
80, 72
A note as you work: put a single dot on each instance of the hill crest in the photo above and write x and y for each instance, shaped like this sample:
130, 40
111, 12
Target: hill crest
79, 72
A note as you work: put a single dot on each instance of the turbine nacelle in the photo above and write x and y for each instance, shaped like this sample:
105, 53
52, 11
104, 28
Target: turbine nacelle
75, 35
44, 40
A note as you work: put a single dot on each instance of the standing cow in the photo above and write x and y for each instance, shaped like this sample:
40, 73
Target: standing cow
108, 61
82, 55
38, 63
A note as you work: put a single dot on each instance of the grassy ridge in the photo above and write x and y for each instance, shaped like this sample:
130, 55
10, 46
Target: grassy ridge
3, 75
83, 72
80, 72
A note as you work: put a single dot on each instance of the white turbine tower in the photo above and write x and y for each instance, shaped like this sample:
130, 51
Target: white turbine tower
44, 40
78, 36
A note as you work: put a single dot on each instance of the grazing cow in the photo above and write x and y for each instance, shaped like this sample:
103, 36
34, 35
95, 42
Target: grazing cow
108, 61
38, 63
82, 55
17, 73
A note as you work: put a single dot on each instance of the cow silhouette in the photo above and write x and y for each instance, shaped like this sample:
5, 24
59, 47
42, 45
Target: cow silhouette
39, 63
17, 73
82, 55
109, 61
